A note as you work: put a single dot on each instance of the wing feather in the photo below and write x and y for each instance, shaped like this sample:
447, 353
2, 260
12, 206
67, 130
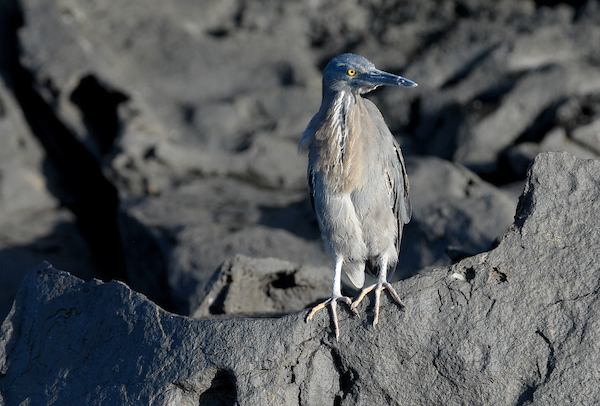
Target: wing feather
311, 185
398, 187
399, 190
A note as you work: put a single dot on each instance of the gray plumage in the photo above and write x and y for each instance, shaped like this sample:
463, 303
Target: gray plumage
357, 179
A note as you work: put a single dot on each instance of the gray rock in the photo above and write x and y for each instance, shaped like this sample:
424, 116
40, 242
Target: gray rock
193, 111
589, 135
527, 101
234, 95
246, 286
487, 73
184, 235
520, 156
33, 226
208, 101
23, 185
516, 325
453, 209
488, 84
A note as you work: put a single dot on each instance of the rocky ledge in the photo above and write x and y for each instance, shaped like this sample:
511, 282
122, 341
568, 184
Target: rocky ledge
516, 325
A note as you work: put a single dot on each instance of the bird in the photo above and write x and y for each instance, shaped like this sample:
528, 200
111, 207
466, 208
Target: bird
357, 181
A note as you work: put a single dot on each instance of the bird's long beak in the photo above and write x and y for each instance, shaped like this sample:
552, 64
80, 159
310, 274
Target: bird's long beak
381, 78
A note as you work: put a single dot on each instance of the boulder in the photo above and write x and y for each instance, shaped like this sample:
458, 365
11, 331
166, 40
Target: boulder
515, 325
246, 286
520, 156
212, 78
33, 225
498, 78
176, 241
455, 214
168, 131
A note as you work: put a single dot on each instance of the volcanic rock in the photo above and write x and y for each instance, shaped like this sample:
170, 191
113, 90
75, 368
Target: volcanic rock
515, 325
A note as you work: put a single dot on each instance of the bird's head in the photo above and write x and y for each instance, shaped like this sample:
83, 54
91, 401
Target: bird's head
349, 72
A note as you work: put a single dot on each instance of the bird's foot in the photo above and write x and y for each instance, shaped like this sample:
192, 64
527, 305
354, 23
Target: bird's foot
378, 287
332, 301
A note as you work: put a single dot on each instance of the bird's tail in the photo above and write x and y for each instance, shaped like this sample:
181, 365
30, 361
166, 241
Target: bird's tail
356, 272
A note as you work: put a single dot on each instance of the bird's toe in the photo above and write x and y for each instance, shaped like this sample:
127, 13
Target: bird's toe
332, 302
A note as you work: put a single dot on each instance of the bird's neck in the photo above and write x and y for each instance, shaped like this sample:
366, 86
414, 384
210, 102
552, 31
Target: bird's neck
337, 130
335, 137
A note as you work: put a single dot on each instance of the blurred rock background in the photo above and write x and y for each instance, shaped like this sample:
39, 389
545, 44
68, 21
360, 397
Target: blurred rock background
151, 141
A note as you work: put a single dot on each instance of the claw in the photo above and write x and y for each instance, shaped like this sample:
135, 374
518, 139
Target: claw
378, 287
333, 302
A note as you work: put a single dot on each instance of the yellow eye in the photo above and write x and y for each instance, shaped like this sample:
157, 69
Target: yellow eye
351, 72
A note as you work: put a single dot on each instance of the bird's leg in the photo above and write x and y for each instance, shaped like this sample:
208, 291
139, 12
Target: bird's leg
336, 294
381, 284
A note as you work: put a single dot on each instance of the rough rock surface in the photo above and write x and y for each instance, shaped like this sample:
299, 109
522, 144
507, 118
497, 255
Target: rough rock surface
455, 214
516, 325
198, 225
33, 226
166, 133
246, 286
